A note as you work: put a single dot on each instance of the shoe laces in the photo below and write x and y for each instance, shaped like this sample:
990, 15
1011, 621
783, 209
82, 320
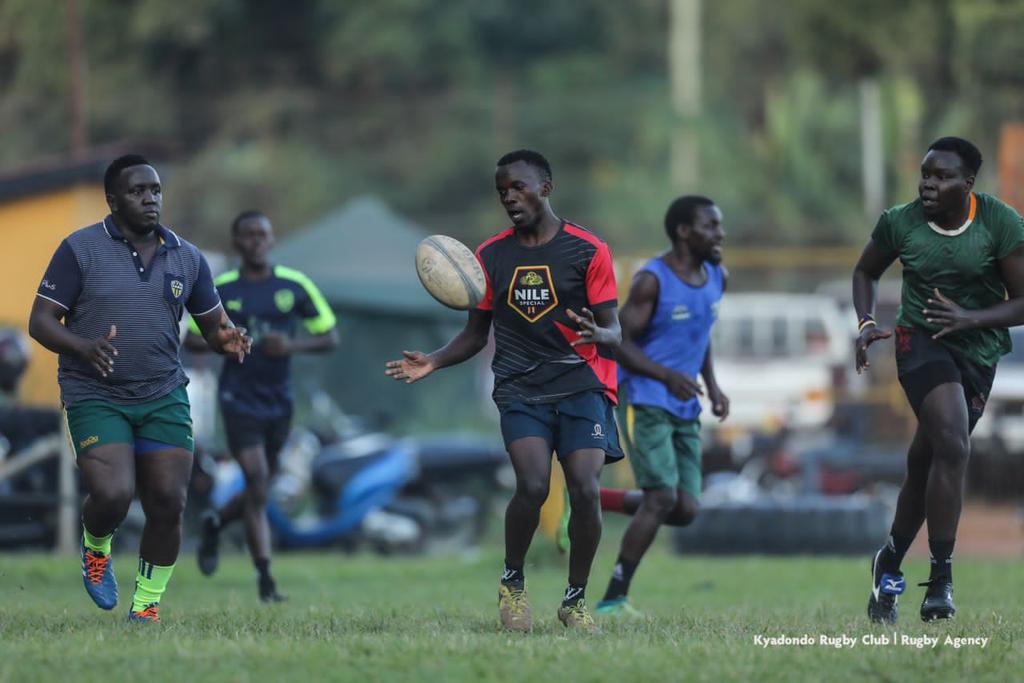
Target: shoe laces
516, 601
580, 614
150, 613
95, 566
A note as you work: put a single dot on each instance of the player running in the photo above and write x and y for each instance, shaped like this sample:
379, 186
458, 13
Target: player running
256, 397
666, 341
551, 298
963, 286
110, 305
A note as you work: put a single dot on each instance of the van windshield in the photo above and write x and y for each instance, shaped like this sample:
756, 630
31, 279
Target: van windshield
771, 337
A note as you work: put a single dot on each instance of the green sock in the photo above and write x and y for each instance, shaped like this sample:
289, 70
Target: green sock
98, 544
150, 584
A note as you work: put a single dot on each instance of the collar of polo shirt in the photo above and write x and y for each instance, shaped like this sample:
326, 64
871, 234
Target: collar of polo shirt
166, 235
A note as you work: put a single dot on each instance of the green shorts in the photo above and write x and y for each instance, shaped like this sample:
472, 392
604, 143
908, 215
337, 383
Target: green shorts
663, 449
165, 420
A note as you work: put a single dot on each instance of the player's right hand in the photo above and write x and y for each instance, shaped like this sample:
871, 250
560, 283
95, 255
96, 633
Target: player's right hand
682, 386
415, 366
869, 336
100, 352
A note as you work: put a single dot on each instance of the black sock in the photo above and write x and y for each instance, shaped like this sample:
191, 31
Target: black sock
513, 576
622, 574
942, 559
574, 594
263, 569
893, 552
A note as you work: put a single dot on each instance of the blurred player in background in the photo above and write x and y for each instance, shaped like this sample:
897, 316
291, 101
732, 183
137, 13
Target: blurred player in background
551, 298
963, 286
666, 341
110, 305
256, 398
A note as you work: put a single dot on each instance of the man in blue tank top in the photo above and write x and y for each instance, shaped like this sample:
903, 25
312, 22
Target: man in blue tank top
666, 341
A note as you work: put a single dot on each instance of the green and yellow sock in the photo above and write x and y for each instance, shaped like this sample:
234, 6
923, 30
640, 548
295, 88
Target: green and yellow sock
150, 584
97, 544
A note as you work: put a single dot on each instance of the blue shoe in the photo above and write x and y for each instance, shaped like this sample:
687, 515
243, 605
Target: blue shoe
618, 608
149, 615
98, 575
885, 592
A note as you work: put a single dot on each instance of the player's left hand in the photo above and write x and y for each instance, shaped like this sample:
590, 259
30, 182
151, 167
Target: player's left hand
952, 317
275, 344
590, 332
233, 340
719, 403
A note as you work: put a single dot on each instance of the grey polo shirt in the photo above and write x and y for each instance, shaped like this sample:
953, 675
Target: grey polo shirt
99, 278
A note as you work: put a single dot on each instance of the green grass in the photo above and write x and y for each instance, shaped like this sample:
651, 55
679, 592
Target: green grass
366, 618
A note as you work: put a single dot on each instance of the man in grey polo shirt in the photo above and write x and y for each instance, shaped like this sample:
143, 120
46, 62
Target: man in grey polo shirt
110, 305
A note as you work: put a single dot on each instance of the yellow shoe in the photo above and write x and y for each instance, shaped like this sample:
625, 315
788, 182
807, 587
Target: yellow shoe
514, 608
577, 617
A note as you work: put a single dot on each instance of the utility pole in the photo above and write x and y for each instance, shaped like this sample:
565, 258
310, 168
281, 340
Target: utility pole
76, 78
872, 145
684, 69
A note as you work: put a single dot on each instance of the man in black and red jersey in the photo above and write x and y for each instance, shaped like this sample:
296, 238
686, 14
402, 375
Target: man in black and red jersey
551, 297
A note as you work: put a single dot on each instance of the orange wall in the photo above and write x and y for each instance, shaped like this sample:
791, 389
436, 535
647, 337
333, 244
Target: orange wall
30, 230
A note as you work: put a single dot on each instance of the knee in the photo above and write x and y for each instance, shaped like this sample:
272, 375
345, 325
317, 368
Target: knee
951, 446
256, 487
685, 511
114, 498
660, 501
584, 495
532, 491
165, 505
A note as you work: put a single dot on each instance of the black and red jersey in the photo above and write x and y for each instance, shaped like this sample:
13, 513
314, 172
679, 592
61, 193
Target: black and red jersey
528, 292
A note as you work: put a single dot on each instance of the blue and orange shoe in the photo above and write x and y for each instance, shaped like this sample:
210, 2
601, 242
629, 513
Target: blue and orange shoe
151, 614
98, 575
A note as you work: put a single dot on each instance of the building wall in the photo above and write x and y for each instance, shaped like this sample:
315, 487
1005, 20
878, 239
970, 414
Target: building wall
30, 230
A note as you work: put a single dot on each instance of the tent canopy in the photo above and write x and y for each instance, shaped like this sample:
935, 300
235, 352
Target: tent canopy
362, 256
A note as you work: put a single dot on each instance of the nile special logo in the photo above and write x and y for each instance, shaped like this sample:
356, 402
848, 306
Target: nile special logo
177, 287
284, 299
532, 292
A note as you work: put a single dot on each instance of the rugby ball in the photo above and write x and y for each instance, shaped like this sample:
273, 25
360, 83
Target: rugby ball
450, 272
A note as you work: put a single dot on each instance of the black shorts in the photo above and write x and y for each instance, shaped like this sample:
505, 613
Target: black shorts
245, 431
924, 363
575, 422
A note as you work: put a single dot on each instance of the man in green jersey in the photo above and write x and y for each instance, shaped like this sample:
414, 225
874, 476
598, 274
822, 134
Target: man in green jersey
963, 285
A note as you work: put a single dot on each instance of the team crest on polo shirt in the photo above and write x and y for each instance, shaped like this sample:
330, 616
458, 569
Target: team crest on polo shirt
177, 287
532, 292
284, 299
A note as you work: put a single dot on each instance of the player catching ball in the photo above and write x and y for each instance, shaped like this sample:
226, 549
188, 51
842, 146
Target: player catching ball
963, 286
551, 299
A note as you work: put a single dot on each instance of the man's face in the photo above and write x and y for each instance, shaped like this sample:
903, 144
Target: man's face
522, 190
137, 198
704, 238
944, 184
253, 239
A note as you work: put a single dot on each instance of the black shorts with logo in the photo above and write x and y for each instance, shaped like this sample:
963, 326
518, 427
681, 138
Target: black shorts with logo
576, 422
244, 431
924, 363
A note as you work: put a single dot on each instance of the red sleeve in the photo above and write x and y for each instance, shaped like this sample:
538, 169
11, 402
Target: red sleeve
601, 289
487, 303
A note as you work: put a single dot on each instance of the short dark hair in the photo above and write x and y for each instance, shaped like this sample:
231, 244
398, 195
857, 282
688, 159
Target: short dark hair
244, 216
968, 153
683, 210
113, 171
535, 159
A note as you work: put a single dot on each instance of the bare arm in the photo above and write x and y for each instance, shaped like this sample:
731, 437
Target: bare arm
634, 319
1008, 313
45, 326
872, 264
415, 365
221, 335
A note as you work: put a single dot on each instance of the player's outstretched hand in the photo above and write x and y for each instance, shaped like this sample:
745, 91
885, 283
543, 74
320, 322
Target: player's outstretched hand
868, 336
683, 386
944, 312
590, 332
233, 340
100, 352
414, 366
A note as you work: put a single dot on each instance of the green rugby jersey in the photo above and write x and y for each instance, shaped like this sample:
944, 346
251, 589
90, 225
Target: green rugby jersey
962, 263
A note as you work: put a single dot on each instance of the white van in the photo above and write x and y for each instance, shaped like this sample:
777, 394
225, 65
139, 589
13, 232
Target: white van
777, 357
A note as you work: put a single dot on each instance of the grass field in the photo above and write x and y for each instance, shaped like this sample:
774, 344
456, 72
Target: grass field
364, 618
